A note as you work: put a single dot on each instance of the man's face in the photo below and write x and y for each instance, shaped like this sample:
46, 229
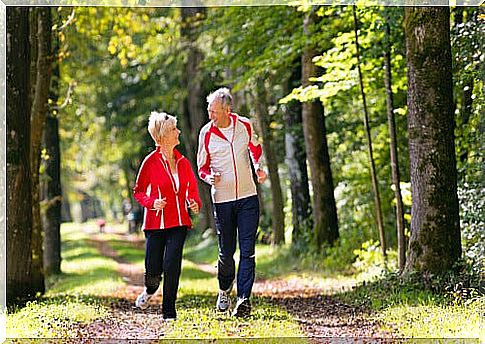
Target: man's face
217, 112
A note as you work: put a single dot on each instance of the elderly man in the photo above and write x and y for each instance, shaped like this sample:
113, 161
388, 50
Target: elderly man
227, 145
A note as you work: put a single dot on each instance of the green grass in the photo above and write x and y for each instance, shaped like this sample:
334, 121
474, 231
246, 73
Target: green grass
78, 295
409, 310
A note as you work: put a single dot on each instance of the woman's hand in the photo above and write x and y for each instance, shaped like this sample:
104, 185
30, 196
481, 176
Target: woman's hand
160, 203
193, 206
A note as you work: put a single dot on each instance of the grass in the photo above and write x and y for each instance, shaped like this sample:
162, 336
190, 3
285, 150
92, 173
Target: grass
77, 295
409, 310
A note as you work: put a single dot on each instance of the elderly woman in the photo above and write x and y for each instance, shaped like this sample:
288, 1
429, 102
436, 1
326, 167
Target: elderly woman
166, 187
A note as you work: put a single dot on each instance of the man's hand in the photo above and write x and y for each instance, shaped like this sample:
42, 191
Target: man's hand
261, 176
193, 206
160, 203
215, 178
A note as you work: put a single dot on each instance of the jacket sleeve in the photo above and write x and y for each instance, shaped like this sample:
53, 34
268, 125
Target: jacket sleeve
142, 184
192, 189
203, 157
255, 148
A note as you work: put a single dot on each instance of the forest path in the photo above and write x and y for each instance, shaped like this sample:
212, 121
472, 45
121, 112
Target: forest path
319, 315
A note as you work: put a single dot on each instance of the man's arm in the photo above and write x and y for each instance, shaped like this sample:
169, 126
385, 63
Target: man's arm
256, 152
203, 158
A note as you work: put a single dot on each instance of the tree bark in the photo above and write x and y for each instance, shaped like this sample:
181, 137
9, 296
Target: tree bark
375, 184
52, 185
278, 218
435, 243
19, 196
296, 162
194, 106
37, 120
324, 208
401, 239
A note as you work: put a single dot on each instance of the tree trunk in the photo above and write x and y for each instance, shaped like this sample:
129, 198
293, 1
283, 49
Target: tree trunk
194, 106
52, 186
401, 239
435, 242
19, 196
375, 185
324, 208
296, 162
278, 218
37, 120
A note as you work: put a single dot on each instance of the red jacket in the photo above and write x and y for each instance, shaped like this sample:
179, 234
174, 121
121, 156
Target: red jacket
154, 181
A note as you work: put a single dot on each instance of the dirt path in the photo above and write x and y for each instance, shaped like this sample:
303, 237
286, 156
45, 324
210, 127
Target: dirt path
318, 314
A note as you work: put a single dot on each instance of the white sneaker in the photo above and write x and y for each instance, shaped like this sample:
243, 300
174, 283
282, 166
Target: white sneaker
142, 300
223, 300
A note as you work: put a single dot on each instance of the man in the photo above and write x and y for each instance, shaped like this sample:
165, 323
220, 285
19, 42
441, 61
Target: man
223, 162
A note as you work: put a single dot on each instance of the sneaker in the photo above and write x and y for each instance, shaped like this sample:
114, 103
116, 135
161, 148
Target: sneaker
142, 300
243, 308
223, 300
169, 319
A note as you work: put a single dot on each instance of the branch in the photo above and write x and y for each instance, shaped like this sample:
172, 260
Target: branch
68, 22
70, 91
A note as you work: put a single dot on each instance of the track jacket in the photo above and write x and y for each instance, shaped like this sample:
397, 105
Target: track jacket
229, 156
154, 181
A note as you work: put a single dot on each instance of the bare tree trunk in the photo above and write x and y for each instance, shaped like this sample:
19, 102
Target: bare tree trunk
52, 185
296, 162
324, 207
37, 120
19, 196
278, 218
435, 243
375, 185
401, 239
195, 108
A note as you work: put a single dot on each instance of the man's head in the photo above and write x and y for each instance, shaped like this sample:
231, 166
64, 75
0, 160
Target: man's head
219, 106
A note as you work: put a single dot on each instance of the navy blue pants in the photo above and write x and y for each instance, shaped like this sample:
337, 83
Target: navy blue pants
163, 255
237, 221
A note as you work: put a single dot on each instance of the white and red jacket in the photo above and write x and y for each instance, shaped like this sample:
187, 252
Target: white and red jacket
156, 181
229, 156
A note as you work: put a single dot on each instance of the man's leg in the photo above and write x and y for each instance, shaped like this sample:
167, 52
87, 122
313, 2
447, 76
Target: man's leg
226, 232
247, 223
172, 264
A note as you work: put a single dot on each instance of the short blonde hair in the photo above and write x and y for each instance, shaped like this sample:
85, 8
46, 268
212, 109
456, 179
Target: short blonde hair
158, 124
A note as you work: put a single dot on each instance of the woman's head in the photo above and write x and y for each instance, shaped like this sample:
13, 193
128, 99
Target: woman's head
160, 125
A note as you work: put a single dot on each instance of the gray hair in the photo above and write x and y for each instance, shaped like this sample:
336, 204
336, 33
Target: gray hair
158, 124
223, 95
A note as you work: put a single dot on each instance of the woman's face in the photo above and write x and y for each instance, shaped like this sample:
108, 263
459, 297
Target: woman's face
172, 135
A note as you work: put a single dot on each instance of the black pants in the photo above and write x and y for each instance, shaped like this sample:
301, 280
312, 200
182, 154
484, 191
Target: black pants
237, 221
163, 255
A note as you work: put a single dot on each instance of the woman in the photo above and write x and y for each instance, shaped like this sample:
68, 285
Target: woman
167, 188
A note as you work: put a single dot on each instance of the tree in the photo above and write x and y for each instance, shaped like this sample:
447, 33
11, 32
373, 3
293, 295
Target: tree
435, 242
396, 180
296, 161
43, 68
278, 218
51, 185
19, 196
375, 185
194, 110
324, 207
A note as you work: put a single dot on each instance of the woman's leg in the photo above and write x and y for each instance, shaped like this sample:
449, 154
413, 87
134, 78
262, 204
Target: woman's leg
154, 244
172, 264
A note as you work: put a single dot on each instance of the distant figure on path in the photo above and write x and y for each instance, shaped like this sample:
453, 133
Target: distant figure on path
227, 145
166, 186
